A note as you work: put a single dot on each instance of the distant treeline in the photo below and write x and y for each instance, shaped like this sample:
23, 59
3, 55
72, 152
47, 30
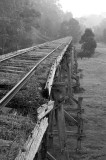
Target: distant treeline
27, 22
100, 31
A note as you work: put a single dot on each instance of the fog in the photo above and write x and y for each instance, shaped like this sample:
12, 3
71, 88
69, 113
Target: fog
24, 23
81, 8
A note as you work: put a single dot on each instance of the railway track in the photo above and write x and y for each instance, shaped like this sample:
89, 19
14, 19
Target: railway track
18, 68
22, 77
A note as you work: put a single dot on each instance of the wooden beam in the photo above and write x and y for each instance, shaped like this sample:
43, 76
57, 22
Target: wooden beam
75, 59
45, 109
32, 145
68, 133
62, 133
69, 74
50, 130
69, 117
49, 156
54, 68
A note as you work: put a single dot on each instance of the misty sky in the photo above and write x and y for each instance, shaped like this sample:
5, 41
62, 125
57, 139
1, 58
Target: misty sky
84, 7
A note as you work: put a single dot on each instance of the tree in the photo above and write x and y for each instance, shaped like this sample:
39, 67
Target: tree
88, 43
17, 18
104, 35
51, 17
70, 28
27, 22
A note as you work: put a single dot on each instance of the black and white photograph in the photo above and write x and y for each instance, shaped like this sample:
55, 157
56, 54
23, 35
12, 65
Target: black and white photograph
52, 80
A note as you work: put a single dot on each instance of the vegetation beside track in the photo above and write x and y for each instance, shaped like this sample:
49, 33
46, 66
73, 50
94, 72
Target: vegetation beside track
24, 105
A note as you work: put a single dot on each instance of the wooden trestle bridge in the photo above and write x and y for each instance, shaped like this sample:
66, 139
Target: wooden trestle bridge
61, 79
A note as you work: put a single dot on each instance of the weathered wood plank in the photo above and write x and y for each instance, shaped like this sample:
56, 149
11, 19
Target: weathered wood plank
45, 109
50, 156
54, 67
69, 117
32, 145
62, 132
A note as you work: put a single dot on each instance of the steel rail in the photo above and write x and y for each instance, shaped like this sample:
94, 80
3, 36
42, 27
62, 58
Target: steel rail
19, 52
22, 52
4, 101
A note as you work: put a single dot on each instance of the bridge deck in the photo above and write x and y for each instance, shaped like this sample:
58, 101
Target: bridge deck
21, 84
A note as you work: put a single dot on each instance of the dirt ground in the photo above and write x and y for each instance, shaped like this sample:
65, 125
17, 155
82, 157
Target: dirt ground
93, 80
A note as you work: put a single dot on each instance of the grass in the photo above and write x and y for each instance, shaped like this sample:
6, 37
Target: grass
25, 103
15, 129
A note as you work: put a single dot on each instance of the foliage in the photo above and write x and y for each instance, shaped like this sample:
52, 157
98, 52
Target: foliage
51, 16
17, 19
104, 35
100, 31
27, 22
71, 28
88, 43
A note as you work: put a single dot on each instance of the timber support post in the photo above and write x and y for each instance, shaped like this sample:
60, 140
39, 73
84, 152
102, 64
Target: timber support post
75, 59
50, 130
59, 91
69, 69
75, 70
80, 124
44, 147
